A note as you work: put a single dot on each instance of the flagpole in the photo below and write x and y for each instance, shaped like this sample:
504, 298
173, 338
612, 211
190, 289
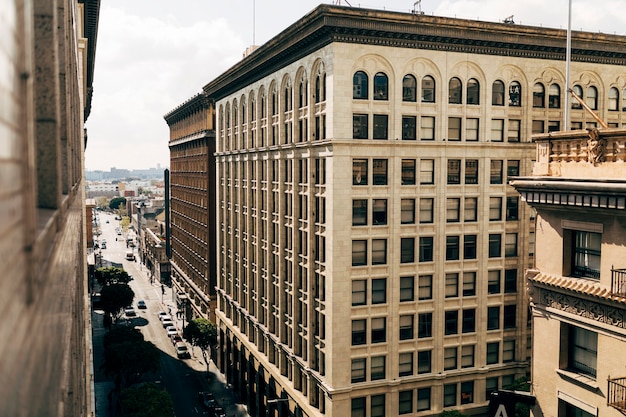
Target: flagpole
568, 58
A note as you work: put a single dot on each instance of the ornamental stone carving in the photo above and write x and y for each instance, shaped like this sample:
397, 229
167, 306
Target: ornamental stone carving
595, 147
601, 313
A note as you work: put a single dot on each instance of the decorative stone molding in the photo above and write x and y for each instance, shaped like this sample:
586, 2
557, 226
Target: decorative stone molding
601, 313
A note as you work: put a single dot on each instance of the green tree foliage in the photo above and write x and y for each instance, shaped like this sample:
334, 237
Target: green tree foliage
111, 275
122, 334
114, 297
202, 333
125, 223
146, 400
115, 202
521, 409
127, 360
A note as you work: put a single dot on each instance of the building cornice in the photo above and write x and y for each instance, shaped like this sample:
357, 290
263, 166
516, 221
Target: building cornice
197, 103
327, 24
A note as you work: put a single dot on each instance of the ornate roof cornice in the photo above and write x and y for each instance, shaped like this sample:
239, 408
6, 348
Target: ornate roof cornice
193, 105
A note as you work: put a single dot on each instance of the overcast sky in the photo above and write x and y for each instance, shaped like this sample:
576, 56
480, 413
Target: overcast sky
152, 55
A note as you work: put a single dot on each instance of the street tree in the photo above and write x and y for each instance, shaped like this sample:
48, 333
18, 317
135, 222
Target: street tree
115, 202
101, 202
114, 297
127, 361
120, 334
146, 400
202, 333
125, 223
111, 275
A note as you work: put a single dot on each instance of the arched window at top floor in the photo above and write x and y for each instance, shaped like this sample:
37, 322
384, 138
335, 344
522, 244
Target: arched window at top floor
592, 97
473, 91
554, 96
235, 114
613, 99
303, 97
515, 94
539, 96
428, 89
497, 93
381, 86
263, 105
243, 110
320, 87
455, 91
359, 85
252, 109
274, 101
578, 90
287, 98
409, 88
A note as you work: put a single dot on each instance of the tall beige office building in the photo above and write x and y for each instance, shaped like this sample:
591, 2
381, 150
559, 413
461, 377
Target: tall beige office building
578, 288
370, 254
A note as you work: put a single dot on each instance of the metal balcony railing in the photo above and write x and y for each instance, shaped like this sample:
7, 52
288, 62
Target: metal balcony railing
616, 397
618, 282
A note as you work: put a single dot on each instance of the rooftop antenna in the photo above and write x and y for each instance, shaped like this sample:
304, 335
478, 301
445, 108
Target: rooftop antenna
338, 2
417, 7
509, 20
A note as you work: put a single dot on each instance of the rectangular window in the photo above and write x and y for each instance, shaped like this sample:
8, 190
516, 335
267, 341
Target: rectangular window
359, 332
423, 399
538, 127
512, 208
469, 283
491, 385
467, 356
377, 408
408, 172
359, 252
493, 282
426, 249
359, 292
427, 128
469, 246
469, 321
471, 130
379, 170
425, 289
409, 128
514, 134
453, 244
359, 172
508, 350
497, 130
426, 210
359, 212
424, 325
379, 291
587, 251
471, 171
407, 250
554, 125
512, 168
379, 251
453, 206
424, 361
407, 211
380, 126
451, 322
407, 289
493, 353
510, 244
493, 317
580, 346
379, 330
454, 128
452, 285
450, 358
379, 212
510, 316
358, 370
495, 245
495, 176
406, 327
495, 208
405, 402
454, 171
510, 281
405, 364
377, 370
449, 395
358, 407
359, 126
467, 392
427, 171
470, 211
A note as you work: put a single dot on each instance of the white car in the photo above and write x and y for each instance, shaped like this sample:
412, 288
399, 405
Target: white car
166, 323
130, 312
164, 317
182, 351
171, 330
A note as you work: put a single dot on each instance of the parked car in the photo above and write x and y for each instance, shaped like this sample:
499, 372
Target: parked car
182, 351
171, 330
167, 323
176, 338
130, 311
207, 400
141, 304
161, 314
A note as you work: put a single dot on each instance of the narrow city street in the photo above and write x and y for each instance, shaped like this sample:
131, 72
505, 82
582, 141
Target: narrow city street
182, 378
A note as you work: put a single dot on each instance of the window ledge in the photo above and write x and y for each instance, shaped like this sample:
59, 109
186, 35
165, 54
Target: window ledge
582, 380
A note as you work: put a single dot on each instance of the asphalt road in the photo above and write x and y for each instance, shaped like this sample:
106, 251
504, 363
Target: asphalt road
178, 376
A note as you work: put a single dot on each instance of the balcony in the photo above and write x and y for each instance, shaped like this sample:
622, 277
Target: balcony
616, 397
618, 282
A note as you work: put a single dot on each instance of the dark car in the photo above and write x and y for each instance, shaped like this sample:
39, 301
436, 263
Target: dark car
207, 400
141, 304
